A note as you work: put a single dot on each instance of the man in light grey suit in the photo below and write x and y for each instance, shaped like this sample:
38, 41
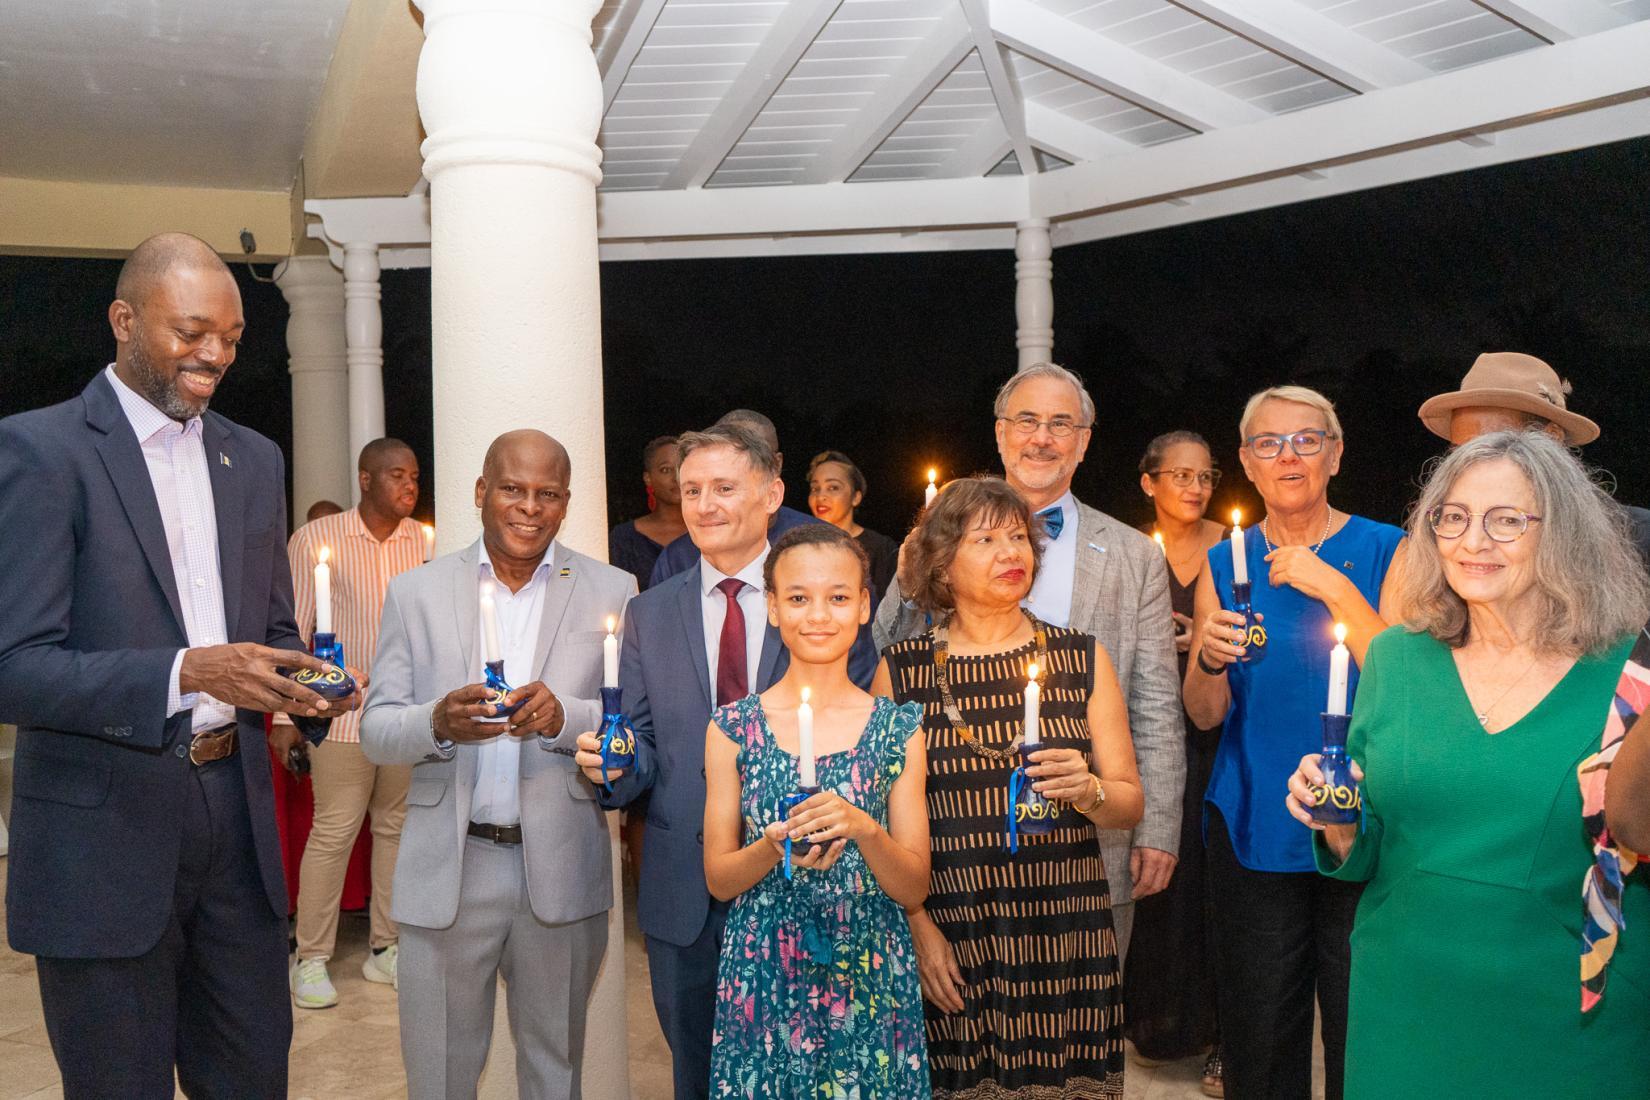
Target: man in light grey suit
1105, 579
504, 864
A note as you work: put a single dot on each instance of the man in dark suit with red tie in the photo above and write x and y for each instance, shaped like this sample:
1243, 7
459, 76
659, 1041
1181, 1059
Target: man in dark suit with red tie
148, 608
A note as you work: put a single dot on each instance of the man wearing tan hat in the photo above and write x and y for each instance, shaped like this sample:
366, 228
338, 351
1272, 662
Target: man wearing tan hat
1507, 390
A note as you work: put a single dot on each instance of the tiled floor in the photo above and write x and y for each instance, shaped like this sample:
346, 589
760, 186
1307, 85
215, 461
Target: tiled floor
352, 1052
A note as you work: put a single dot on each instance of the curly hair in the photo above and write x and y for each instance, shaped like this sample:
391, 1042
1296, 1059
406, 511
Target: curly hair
962, 505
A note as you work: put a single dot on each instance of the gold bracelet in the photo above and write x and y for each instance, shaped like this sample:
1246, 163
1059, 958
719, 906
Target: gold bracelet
1097, 801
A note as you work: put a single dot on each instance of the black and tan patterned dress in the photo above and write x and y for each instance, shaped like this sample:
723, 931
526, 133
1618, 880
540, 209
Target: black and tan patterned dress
1032, 931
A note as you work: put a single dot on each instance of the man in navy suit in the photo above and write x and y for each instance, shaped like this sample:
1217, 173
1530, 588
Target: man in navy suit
698, 641
147, 607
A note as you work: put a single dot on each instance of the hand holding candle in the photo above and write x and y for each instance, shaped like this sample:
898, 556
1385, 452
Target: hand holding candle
489, 623
1034, 696
1339, 662
610, 654
1240, 560
323, 592
805, 743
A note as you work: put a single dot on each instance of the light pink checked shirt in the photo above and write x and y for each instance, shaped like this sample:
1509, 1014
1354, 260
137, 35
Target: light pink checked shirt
176, 455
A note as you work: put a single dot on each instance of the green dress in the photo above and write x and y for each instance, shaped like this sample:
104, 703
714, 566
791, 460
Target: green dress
1466, 950
816, 993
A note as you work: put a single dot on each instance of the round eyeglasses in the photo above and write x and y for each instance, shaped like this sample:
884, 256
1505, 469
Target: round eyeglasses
1503, 524
1183, 476
1309, 442
1026, 425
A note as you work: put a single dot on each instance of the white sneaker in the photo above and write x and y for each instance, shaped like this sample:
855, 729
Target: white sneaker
380, 966
312, 985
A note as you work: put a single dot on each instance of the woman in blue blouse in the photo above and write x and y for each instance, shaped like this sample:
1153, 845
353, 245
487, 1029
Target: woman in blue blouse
1281, 930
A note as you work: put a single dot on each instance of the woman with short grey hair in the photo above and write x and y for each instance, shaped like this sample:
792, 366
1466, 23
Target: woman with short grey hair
1483, 734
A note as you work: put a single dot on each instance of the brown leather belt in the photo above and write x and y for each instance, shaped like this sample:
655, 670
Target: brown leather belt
214, 744
498, 834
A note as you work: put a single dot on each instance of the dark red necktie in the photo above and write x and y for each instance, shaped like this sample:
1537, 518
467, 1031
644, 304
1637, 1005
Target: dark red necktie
731, 682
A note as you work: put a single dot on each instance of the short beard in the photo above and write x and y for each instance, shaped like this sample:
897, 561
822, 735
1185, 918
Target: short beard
160, 391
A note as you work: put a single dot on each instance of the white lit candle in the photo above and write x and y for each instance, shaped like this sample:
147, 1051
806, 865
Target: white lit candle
1240, 562
489, 623
805, 742
933, 490
1034, 698
323, 592
429, 541
1157, 537
1339, 660
610, 655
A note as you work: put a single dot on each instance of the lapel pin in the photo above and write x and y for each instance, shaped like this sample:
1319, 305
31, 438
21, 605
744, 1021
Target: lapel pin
1346, 565
223, 458
1100, 549
565, 572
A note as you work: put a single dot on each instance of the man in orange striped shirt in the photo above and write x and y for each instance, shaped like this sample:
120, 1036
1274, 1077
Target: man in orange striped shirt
366, 546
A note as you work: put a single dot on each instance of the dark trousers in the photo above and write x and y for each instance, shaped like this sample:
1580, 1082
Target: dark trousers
684, 996
210, 998
1279, 938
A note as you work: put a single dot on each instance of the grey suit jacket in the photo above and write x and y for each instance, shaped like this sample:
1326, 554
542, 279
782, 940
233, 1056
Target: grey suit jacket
1120, 595
426, 648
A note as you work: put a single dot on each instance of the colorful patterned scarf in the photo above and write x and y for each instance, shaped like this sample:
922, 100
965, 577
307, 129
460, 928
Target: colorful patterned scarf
1601, 889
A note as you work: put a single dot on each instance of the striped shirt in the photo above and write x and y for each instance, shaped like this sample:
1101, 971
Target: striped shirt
361, 571
176, 457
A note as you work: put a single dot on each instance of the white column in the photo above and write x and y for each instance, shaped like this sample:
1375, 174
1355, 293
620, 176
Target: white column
323, 468
364, 332
1034, 292
511, 100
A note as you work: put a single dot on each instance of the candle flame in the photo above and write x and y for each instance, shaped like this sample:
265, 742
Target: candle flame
429, 528
805, 693
487, 588
612, 624
1031, 671
932, 474
324, 556
1237, 517
1340, 633
1157, 537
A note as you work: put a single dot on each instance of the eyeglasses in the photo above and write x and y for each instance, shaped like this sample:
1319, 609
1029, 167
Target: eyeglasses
1503, 524
1182, 476
1309, 442
1060, 427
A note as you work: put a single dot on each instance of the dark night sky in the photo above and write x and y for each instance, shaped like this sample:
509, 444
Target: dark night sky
1380, 298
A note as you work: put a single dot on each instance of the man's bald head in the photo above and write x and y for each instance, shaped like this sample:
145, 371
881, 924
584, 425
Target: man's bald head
529, 446
158, 257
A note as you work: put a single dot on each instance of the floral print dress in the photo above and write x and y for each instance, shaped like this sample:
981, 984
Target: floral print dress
816, 994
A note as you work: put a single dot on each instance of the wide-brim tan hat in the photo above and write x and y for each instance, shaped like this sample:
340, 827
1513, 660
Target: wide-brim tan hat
1508, 380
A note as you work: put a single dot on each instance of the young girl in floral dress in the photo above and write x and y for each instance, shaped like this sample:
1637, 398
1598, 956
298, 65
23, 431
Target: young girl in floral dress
817, 992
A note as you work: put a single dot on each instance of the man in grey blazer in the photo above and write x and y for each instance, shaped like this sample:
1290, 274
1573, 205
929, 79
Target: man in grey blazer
1105, 579
504, 864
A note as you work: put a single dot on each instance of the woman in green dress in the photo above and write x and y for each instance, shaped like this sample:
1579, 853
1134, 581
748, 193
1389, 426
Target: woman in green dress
1523, 596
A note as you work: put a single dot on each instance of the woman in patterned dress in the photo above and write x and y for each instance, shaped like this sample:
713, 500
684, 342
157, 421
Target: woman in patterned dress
1015, 950
816, 992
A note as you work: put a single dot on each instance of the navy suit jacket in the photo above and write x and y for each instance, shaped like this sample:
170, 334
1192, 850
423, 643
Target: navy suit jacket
682, 554
665, 675
90, 626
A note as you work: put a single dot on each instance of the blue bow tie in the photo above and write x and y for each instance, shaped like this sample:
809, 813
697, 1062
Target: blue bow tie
1054, 520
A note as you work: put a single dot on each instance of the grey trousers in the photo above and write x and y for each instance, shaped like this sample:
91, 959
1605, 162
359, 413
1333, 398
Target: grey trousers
449, 981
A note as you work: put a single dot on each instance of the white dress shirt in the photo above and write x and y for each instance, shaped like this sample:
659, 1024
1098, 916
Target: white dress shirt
497, 796
1050, 598
714, 606
176, 456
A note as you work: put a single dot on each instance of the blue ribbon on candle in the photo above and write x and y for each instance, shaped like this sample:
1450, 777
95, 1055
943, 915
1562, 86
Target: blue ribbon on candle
1016, 780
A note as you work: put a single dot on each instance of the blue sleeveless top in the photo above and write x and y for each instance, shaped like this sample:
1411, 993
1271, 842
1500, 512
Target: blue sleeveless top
1273, 720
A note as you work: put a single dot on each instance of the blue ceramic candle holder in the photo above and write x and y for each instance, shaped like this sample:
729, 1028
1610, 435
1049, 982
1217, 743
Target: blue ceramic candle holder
1337, 801
1029, 813
499, 690
1254, 631
798, 848
618, 739
332, 685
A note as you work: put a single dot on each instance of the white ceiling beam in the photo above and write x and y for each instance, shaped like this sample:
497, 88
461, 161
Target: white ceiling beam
1072, 48
941, 51
1581, 74
1069, 139
979, 154
623, 42
799, 23
1316, 41
1005, 90
1537, 139
1559, 20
